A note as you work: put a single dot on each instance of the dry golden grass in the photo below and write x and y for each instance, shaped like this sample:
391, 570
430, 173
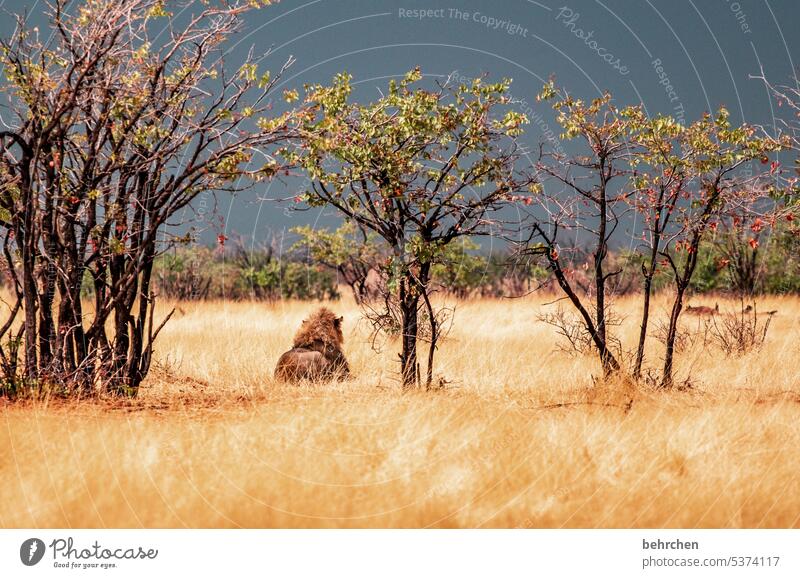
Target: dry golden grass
521, 436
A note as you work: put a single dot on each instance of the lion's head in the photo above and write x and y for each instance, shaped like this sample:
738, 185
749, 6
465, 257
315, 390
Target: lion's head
323, 326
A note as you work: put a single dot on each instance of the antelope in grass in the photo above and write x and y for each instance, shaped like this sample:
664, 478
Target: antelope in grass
750, 308
703, 310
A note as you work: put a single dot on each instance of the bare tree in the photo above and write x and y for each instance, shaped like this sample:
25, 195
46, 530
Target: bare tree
660, 175
787, 125
585, 195
681, 179
715, 188
122, 118
419, 168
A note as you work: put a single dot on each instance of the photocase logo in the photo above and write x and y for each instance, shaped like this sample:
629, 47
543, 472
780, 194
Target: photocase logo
31, 551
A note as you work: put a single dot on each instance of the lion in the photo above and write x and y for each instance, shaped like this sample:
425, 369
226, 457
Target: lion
316, 353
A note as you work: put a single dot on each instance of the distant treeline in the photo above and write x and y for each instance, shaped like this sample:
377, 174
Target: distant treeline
264, 273
322, 261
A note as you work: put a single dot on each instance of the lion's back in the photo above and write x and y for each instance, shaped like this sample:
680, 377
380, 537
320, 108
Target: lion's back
298, 364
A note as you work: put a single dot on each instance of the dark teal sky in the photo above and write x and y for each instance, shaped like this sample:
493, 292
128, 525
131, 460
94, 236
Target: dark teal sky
706, 50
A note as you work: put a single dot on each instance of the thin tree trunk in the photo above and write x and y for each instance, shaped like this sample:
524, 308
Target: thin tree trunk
30, 292
48, 273
408, 355
610, 364
637, 366
672, 332
648, 289
138, 365
424, 279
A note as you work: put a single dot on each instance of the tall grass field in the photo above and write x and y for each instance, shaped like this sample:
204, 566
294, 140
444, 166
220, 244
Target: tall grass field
517, 432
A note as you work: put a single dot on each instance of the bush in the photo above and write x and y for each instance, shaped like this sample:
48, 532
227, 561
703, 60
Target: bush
203, 273
288, 280
184, 274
